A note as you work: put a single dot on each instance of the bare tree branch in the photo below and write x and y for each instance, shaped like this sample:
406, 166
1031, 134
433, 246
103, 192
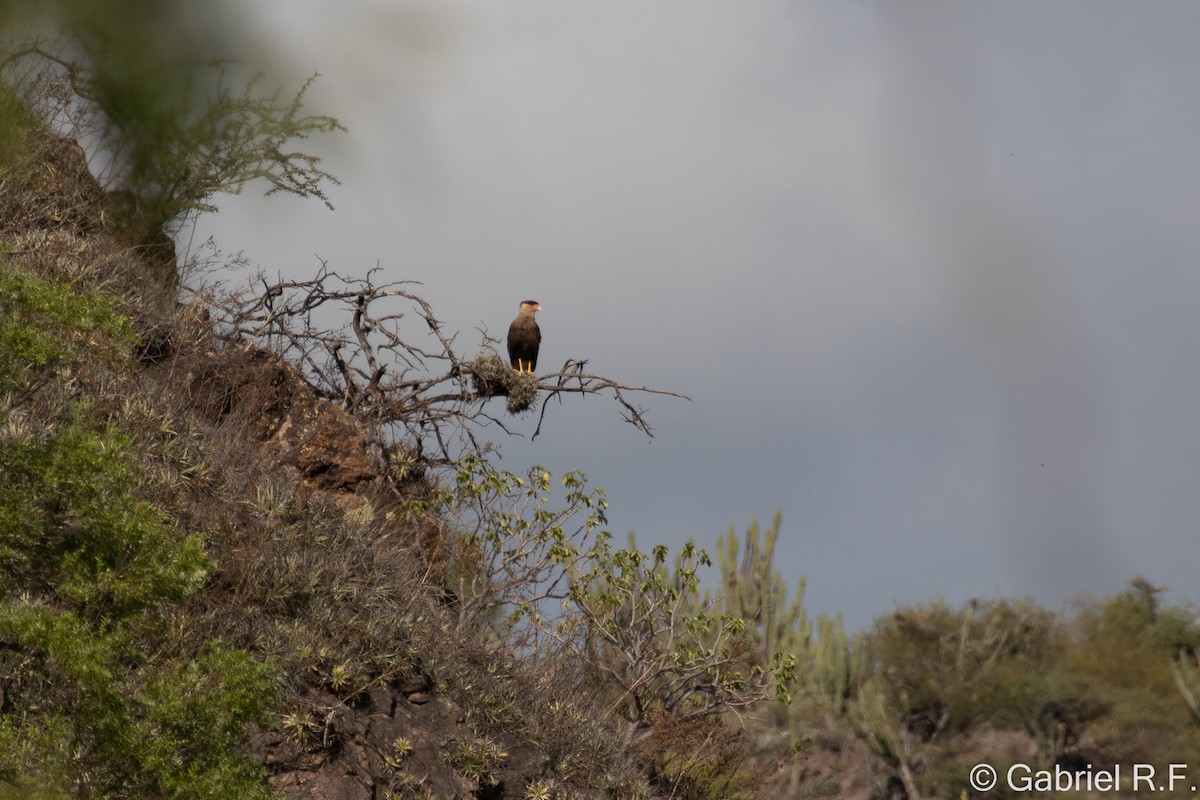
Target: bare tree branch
571, 379
379, 352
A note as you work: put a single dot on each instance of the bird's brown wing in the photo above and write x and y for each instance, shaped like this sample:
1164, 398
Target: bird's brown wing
524, 339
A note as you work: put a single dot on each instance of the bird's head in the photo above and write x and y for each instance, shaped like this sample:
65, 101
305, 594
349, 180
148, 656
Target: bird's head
530, 306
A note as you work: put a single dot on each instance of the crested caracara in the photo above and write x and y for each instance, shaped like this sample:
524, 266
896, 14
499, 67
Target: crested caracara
524, 338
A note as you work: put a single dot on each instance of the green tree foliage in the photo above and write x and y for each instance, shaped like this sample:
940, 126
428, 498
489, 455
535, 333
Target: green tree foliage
936, 674
47, 326
649, 629
91, 725
547, 577
87, 565
954, 670
75, 529
71, 524
195, 718
1124, 648
136, 81
1103, 684
198, 142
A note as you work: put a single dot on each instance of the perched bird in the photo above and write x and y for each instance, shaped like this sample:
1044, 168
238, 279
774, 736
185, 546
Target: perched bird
524, 338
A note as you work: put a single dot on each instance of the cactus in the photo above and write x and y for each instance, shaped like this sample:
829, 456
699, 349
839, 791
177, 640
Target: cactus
755, 592
1186, 672
828, 664
875, 724
836, 665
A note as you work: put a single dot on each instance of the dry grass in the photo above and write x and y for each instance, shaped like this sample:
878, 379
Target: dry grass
342, 590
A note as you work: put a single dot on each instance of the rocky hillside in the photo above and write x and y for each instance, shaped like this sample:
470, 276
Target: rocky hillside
231, 567
210, 584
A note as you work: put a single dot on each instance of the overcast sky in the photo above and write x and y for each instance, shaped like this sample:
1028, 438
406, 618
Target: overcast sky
929, 272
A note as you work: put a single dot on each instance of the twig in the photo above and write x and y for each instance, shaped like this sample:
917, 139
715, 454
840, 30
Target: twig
347, 338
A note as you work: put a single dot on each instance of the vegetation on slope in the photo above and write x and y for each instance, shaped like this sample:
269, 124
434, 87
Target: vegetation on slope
96, 701
226, 573
200, 547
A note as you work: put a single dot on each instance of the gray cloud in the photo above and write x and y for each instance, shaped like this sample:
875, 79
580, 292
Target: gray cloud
929, 275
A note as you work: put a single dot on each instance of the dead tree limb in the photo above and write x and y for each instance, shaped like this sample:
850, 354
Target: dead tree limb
572, 379
379, 352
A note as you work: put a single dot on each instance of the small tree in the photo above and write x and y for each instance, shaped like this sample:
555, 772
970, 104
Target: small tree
648, 630
549, 580
175, 135
512, 553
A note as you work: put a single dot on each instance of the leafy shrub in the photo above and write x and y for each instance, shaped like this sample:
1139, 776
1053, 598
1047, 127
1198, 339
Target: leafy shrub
47, 325
196, 713
946, 671
665, 647
74, 528
1122, 650
94, 704
549, 577
91, 725
513, 553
